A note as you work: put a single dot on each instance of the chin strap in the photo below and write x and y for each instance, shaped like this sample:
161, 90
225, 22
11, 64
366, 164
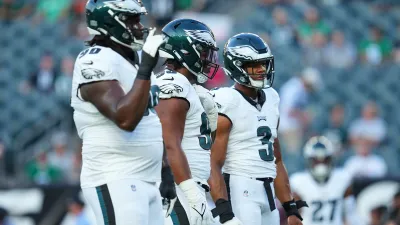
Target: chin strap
292, 208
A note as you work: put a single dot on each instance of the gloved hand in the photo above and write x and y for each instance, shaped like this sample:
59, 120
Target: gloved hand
207, 100
223, 209
199, 213
167, 189
149, 54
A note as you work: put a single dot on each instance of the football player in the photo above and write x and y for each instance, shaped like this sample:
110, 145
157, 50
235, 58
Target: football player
246, 144
327, 189
184, 110
113, 104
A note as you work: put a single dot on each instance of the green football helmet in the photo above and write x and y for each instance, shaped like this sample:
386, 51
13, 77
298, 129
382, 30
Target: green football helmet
248, 48
192, 44
117, 19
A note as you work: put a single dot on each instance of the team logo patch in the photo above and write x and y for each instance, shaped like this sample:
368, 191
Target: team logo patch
262, 118
169, 88
133, 187
218, 105
203, 36
89, 73
246, 193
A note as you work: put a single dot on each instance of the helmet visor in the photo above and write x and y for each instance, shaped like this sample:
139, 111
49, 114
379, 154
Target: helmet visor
209, 59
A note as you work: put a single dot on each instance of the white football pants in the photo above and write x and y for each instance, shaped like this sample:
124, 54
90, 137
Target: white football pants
250, 201
126, 202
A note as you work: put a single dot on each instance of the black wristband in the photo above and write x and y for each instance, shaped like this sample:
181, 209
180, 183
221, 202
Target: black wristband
223, 209
146, 66
143, 73
166, 175
291, 209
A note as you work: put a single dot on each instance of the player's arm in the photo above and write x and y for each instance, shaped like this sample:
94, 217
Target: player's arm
124, 110
172, 114
167, 185
282, 187
108, 97
223, 207
218, 155
350, 209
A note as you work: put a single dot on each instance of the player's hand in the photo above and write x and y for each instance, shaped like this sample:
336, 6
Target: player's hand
199, 213
149, 54
294, 220
167, 189
233, 221
153, 43
209, 105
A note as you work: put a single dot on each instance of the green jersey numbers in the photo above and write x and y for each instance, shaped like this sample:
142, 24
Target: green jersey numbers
318, 211
153, 100
267, 153
205, 140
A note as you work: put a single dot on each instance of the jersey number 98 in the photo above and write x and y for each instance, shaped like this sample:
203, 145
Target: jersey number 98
205, 140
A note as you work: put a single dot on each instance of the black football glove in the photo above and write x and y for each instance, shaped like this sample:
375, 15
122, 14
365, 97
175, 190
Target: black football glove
167, 189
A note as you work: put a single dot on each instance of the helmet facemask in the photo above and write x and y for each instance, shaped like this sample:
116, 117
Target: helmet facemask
119, 20
207, 62
256, 79
320, 167
134, 30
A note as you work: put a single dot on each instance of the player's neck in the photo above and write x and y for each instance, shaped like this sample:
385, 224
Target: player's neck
249, 92
187, 74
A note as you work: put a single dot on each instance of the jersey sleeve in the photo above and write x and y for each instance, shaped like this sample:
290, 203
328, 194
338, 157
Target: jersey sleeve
224, 100
96, 65
172, 87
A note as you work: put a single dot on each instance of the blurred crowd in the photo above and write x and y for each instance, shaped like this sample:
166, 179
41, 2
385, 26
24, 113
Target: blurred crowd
322, 45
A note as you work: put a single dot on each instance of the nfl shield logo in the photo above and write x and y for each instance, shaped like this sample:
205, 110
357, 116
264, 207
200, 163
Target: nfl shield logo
133, 187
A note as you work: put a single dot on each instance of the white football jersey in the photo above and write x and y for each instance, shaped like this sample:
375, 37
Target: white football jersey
250, 150
325, 201
196, 142
108, 152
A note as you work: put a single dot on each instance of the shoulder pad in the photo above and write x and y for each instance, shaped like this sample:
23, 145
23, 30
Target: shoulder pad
226, 102
95, 64
271, 95
172, 85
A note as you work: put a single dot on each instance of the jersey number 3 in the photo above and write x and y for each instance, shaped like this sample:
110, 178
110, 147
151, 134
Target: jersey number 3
265, 154
205, 140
